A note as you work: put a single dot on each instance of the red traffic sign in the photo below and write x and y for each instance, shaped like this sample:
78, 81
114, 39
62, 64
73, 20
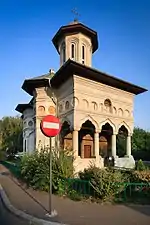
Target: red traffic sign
50, 126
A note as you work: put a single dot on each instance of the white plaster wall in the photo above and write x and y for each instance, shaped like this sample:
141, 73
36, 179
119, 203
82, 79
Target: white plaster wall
28, 129
31, 144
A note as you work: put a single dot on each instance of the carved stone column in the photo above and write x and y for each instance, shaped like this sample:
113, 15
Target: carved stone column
75, 142
96, 144
113, 143
128, 148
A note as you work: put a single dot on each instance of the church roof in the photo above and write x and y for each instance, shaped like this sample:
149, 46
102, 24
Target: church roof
47, 75
71, 67
21, 107
40, 81
76, 28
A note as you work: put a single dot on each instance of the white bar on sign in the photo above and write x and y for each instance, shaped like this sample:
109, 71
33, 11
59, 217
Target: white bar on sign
51, 125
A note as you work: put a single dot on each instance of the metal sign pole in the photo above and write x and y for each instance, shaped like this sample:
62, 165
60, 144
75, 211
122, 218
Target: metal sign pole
50, 176
50, 131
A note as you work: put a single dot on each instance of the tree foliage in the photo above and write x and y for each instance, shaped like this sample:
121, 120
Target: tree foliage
11, 134
140, 144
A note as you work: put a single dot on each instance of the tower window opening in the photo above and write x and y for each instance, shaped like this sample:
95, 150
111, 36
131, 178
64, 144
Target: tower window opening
83, 54
73, 51
63, 54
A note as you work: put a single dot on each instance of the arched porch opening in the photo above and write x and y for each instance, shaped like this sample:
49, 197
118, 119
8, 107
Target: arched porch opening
86, 140
105, 140
121, 141
66, 136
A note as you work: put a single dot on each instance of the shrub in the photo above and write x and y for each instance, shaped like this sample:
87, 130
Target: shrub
140, 166
62, 169
141, 176
35, 169
107, 183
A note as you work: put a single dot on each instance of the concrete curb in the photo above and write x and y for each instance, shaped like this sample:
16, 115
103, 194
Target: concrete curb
33, 220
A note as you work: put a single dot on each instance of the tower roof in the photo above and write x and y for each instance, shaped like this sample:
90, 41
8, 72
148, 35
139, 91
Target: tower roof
76, 27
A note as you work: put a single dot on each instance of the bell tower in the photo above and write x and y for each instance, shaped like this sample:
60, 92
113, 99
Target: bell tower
76, 42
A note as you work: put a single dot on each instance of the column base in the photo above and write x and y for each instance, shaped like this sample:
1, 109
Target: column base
128, 156
125, 162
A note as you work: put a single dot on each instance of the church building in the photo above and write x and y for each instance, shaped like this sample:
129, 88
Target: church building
94, 107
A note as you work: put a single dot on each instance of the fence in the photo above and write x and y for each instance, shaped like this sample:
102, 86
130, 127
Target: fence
129, 192
14, 168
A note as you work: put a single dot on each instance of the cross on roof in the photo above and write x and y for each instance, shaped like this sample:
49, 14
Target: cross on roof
75, 12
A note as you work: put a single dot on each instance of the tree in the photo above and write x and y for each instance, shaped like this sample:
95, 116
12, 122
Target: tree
141, 144
11, 134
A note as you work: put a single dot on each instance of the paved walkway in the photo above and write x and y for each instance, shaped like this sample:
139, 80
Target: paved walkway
70, 212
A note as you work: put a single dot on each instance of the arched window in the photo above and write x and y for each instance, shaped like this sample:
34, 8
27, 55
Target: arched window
108, 105
83, 54
72, 51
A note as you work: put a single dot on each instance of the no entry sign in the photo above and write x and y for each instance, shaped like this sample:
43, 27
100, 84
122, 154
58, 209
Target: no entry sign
50, 126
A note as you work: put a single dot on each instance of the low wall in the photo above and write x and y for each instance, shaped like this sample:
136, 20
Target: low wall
83, 163
125, 162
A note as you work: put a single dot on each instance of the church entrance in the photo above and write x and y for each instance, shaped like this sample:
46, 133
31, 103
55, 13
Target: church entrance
86, 140
87, 151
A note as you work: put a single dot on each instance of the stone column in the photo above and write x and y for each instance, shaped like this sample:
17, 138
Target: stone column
96, 144
128, 148
113, 145
75, 142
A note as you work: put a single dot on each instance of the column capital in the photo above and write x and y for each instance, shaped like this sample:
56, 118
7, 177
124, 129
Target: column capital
75, 129
98, 131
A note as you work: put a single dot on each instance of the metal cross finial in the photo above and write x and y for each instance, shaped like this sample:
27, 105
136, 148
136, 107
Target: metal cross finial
75, 12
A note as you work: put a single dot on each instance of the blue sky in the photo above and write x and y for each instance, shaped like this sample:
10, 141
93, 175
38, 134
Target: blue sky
28, 26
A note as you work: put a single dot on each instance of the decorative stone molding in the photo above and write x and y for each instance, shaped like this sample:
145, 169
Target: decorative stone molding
86, 104
126, 126
90, 118
110, 123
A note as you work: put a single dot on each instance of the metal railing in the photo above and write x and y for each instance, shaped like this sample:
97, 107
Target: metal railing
14, 168
128, 192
